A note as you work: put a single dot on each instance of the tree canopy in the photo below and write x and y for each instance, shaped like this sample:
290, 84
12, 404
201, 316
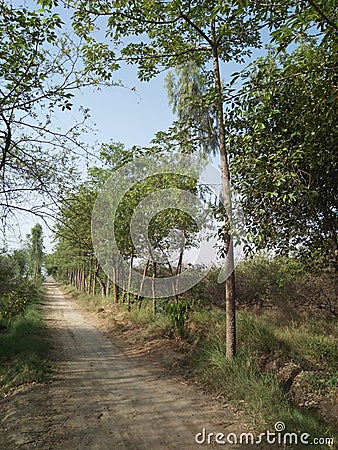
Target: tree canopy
284, 144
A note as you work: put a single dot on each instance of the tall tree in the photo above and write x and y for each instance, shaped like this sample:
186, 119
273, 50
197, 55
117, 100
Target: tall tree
35, 252
20, 261
158, 234
195, 125
160, 220
74, 256
169, 34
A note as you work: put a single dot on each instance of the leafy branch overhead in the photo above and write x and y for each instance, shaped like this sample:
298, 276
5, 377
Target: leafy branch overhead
40, 71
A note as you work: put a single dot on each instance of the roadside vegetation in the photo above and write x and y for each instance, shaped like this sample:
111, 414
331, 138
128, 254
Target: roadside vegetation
286, 367
23, 343
23, 346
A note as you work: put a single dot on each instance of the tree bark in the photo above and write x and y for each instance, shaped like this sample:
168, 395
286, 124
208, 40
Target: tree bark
141, 297
116, 288
230, 293
93, 284
108, 286
178, 272
103, 286
334, 245
129, 280
114, 281
153, 289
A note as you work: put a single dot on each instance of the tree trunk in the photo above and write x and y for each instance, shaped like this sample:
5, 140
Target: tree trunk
122, 278
89, 277
140, 297
108, 286
116, 293
178, 272
103, 286
94, 285
129, 280
230, 295
83, 279
116, 288
153, 289
76, 283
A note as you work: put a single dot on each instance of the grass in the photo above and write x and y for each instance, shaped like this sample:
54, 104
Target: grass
258, 392
144, 316
312, 349
95, 303
24, 351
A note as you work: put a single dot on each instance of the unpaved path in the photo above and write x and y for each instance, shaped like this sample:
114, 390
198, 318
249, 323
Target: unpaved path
100, 398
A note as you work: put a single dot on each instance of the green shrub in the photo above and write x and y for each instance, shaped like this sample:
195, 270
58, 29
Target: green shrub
240, 378
144, 315
286, 283
179, 315
256, 392
323, 383
263, 280
14, 303
255, 334
311, 349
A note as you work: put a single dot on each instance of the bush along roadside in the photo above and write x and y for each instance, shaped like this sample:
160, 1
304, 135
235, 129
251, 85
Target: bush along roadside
23, 343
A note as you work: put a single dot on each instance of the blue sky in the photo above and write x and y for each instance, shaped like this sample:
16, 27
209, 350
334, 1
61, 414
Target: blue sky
132, 117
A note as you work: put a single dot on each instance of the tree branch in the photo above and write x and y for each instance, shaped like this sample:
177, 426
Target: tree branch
198, 29
322, 14
8, 140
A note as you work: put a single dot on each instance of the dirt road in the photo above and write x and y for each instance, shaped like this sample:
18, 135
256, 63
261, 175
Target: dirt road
100, 398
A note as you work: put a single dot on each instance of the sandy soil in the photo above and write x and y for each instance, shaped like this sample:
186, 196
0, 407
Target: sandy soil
101, 397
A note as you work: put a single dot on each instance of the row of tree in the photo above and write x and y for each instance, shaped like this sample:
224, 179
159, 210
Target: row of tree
170, 230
